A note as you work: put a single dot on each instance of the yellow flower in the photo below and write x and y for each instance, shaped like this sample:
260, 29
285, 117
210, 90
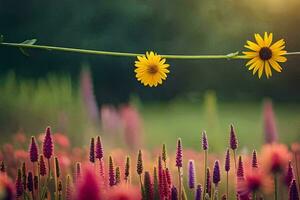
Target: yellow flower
265, 56
151, 69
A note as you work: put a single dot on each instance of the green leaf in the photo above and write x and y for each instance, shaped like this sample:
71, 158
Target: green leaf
229, 56
30, 42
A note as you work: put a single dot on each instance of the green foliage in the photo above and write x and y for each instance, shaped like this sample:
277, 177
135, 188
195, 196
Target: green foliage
30, 106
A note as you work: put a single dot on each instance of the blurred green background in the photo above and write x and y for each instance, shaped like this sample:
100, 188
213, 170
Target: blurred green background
43, 88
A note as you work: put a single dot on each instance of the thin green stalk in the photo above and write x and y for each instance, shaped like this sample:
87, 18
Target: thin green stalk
49, 168
112, 53
234, 159
142, 187
179, 184
227, 193
126, 54
205, 175
253, 195
275, 187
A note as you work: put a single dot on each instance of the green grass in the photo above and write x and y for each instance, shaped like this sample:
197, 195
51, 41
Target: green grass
164, 123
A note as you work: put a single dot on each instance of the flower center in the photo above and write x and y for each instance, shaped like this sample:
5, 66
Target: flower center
152, 69
265, 53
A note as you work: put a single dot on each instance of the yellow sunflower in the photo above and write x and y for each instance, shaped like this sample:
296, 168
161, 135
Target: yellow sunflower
151, 69
265, 56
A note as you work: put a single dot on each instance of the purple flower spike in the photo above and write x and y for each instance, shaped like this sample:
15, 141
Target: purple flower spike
111, 172
204, 141
198, 192
191, 168
179, 153
19, 185
69, 189
240, 169
42, 165
293, 193
48, 144
139, 165
33, 150
99, 148
227, 161
148, 186
216, 173
233, 139
174, 193
289, 175
208, 182
254, 159
30, 182
92, 150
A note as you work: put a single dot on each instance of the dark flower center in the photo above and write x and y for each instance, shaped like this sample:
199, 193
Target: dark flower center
152, 69
265, 53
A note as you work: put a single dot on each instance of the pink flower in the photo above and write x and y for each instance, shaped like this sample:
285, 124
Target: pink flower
88, 186
275, 157
132, 125
61, 139
7, 189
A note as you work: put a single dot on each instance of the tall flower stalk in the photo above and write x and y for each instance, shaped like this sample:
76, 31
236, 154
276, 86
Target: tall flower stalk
233, 143
139, 170
227, 168
205, 149
179, 166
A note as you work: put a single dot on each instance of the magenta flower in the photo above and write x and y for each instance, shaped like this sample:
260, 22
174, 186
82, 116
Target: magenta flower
204, 141
254, 159
289, 176
227, 161
111, 172
19, 185
30, 182
233, 140
92, 150
168, 176
240, 169
191, 174
179, 153
293, 193
42, 166
33, 150
88, 186
216, 173
48, 144
99, 148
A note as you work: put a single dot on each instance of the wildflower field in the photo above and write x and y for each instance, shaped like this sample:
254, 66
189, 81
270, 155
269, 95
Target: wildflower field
149, 100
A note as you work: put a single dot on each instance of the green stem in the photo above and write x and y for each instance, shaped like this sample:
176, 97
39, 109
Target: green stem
112, 53
254, 195
227, 193
275, 187
179, 184
234, 159
205, 173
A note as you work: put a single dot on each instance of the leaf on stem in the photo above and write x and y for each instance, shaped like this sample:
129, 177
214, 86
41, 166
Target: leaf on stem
27, 42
